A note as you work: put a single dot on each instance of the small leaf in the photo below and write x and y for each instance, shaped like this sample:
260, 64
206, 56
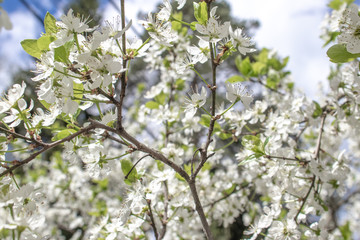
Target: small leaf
339, 54
345, 231
245, 67
205, 121
50, 23
31, 47
44, 41
160, 98
318, 110
224, 136
200, 12
152, 105
126, 166
259, 68
62, 53
235, 78
63, 134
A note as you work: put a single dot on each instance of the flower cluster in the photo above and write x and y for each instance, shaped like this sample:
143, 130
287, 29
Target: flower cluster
161, 162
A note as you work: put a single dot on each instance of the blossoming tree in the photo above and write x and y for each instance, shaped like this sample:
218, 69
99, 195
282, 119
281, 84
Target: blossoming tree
175, 162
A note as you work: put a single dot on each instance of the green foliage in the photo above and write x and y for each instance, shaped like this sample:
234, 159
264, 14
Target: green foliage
62, 53
336, 4
235, 78
152, 105
126, 166
339, 54
318, 110
50, 24
345, 231
44, 41
200, 12
63, 134
31, 47
254, 144
205, 121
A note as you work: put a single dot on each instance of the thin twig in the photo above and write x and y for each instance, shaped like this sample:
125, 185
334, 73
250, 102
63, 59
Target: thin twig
153, 224
289, 159
50, 146
132, 168
166, 206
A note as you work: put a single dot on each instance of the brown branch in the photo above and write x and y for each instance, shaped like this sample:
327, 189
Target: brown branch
166, 206
123, 76
200, 210
50, 146
305, 198
316, 156
153, 224
153, 153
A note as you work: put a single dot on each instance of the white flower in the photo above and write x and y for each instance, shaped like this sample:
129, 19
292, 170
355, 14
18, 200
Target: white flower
201, 53
14, 94
165, 11
195, 101
213, 31
15, 116
350, 29
236, 92
74, 24
241, 42
181, 3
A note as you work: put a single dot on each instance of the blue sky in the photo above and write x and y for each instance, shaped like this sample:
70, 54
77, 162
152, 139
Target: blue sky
290, 27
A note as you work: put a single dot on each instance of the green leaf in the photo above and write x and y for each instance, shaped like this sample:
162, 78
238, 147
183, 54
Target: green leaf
126, 166
62, 53
336, 4
205, 121
339, 54
200, 12
318, 110
193, 25
345, 231
245, 67
160, 165
230, 190
254, 144
50, 23
263, 56
259, 68
44, 41
45, 104
238, 61
152, 105
78, 91
160, 98
63, 134
224, 136
31, 47
235, 78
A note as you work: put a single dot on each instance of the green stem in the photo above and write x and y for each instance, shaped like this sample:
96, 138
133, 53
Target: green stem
182, 22
206, 111
99, 109
108, 159
77, 42
13, 178
229, 107
66, 74
15, 150
231, 142
200, 76
147, 40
